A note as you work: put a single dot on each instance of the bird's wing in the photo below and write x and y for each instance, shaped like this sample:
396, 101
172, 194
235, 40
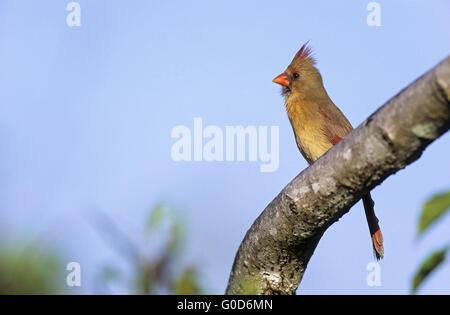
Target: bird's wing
336, 129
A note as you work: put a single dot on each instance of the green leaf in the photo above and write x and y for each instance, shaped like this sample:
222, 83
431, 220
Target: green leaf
31, 269
187, 284
433, 209
177, 234
156, 216
428, 266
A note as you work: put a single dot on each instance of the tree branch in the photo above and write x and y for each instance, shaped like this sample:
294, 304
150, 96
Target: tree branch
274, 254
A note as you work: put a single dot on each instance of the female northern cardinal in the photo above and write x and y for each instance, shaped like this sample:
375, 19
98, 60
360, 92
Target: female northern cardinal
317, 123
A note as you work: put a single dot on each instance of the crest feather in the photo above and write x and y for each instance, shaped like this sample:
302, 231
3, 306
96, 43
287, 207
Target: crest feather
304, 54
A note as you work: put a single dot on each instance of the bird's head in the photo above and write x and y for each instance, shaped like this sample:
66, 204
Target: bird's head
301, 77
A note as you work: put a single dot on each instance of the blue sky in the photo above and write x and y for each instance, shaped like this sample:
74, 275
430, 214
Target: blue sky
86, 115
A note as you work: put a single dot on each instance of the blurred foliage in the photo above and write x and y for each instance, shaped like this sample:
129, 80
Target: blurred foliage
30, 270
187, 283
428, 266
433, 209
154, 271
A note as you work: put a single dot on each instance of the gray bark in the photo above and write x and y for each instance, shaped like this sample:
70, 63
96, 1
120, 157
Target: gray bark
275, 252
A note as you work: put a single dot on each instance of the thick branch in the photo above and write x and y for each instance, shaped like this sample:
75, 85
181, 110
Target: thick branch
274, 254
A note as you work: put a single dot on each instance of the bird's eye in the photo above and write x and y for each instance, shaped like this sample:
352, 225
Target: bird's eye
296, 75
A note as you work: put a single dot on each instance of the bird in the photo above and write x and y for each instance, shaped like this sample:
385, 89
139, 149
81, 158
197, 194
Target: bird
318, 124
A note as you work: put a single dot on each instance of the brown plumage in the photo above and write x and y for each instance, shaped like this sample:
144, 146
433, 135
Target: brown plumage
317, 123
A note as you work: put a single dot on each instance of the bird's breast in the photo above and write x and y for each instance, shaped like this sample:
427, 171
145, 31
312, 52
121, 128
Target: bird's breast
309, 130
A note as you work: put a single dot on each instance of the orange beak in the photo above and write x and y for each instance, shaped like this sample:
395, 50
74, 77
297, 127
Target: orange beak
282, 79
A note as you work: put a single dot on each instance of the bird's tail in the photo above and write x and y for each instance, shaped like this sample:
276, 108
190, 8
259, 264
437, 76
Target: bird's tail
374, 228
